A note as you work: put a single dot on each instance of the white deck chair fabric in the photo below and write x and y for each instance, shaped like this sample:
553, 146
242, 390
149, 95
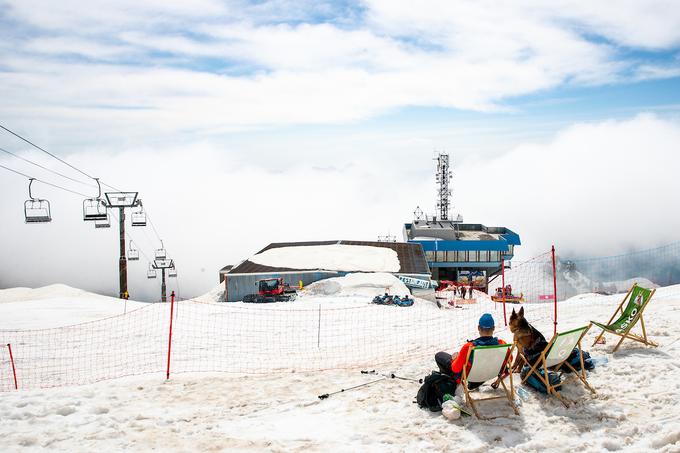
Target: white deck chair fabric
562, 346
487, 362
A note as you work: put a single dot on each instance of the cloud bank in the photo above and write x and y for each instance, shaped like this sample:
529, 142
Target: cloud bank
592, 189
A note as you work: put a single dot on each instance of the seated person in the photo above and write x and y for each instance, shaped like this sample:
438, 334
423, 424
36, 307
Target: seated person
452, 365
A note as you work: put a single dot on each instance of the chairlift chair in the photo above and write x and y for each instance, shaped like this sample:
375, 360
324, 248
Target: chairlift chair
151, 272
133, 253
94, 209
36, 210
172, 272
160, 254
138, 218
103, 223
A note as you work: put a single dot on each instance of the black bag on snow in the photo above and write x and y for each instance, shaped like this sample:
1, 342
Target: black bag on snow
435, 386
575, 361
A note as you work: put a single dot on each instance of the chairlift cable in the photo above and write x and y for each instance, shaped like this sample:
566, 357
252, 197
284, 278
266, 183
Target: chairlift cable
45, 168
44, 182
45, 151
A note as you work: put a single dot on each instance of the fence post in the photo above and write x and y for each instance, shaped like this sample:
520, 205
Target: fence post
318, 331
554, 265
172, 307
14, 370
505, 316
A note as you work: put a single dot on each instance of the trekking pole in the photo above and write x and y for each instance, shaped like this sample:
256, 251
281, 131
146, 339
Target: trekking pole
326, 395
392, 376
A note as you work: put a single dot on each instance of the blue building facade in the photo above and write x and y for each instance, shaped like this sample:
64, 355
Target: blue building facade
469, 253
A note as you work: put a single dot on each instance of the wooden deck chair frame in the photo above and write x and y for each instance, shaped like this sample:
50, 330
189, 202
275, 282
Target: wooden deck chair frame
542, 362
509, 394
638, 317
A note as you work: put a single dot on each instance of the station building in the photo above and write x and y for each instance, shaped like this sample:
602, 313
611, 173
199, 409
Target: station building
242, 279
468, 253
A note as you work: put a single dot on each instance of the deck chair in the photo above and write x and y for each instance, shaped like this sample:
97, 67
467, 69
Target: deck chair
554, 356
488, 362
638, 298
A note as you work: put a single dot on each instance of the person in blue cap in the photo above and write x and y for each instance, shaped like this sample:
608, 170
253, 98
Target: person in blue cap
452, 365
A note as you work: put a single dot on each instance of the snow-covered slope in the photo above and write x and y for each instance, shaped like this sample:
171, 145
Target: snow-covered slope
55, 306
635, 408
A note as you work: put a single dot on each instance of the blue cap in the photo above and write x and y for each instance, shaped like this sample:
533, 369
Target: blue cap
486, 321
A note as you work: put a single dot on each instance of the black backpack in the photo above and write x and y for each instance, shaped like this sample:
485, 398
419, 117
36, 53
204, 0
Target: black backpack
435, 386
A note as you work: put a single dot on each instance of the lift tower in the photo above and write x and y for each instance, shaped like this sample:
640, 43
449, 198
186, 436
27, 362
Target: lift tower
122, 200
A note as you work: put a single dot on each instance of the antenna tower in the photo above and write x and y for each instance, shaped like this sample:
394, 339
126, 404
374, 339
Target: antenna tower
443, 177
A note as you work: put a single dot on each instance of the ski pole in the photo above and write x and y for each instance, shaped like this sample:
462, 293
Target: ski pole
392, 376
326, 395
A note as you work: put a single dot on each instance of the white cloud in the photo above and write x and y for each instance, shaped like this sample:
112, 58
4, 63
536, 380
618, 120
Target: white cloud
593, 188
234, 66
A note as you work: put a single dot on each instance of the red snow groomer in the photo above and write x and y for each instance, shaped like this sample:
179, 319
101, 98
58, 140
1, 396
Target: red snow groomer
510, 298
271, 290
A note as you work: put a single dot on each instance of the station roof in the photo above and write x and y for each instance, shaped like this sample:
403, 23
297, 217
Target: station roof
447, 230
411, 256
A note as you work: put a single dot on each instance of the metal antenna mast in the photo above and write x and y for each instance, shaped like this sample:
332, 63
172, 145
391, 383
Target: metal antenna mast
443, 178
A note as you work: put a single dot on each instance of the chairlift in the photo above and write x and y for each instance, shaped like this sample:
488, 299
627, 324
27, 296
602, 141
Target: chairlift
172, 272
160, 254
138, 218
133, 253
103, 223
36, 210
151, 272
94, 209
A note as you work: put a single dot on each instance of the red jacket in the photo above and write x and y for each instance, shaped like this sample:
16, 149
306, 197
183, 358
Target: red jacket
459, 361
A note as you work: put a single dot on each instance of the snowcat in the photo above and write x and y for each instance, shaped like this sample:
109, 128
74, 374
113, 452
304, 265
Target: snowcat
271, 290
509, 297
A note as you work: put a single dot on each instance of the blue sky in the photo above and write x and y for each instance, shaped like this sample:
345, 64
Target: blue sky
323, 106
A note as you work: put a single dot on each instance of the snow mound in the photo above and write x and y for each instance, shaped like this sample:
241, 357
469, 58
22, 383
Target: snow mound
214, 295
358, 284
46, 292
336, 257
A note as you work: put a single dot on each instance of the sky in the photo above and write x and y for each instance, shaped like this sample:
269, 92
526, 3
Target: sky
244, 123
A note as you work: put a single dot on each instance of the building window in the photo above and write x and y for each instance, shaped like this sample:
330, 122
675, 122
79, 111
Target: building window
461, 256
494, 256
441, 257
429, 256
451, 256
473, 256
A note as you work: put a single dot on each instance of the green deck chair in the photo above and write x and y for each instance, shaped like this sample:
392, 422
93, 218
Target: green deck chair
638, 298
488, 362
554, 356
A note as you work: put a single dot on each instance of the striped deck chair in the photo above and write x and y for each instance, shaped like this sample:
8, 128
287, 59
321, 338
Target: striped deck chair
638, 298
488, 362
554, 356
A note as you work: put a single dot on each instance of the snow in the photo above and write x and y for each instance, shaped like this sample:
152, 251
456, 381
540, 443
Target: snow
214, 295
358, 284
56, 306
336, 257
635, 408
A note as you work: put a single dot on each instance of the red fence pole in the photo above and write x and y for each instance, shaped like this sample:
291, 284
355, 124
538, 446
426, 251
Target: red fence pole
554, 288
505, 317
172, 307
14, 370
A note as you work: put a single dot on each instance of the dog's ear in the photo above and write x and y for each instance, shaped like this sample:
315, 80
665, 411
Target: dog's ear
521, 312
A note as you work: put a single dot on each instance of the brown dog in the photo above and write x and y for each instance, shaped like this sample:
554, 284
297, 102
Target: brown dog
524, 335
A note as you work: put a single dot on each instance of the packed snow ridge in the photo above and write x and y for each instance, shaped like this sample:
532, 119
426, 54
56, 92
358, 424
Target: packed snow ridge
358, 284
336, 257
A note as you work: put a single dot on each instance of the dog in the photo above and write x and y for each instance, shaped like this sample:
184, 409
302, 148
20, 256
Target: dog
526, 336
